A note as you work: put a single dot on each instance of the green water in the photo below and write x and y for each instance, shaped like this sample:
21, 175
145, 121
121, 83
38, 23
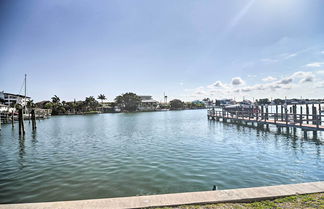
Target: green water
112, 155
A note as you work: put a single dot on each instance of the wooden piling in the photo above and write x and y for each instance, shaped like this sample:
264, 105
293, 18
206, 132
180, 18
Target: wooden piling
316, 117
307, 113
12, 119
279, 129
33, 118
313, 115
305, 134
262, 112
301, 116
314, 134
282, 112
21, 122
276, 117
286, 111
295, 113
257, 114
319, 114
264, 118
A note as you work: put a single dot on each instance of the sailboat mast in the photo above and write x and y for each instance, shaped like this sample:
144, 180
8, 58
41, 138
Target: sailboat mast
25, 92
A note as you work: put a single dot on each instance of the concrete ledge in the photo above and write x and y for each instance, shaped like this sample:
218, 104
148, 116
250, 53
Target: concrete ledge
220, 196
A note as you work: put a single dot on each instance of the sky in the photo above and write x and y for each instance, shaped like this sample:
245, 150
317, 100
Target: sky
186, 48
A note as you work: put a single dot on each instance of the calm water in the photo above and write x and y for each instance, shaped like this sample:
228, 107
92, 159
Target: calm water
111, 155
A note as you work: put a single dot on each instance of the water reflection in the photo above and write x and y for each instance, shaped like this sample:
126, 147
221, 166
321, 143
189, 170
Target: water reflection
34, 137
21, 151
84, 157
291, 135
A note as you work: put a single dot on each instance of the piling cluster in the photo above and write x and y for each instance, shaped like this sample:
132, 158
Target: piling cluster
286, 117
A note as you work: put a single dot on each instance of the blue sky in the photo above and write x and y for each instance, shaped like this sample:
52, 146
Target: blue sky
188, 49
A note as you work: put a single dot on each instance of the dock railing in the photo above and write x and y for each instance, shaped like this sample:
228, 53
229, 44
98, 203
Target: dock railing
313, 119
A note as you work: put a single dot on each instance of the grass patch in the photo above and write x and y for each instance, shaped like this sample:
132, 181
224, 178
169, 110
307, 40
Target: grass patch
297, 201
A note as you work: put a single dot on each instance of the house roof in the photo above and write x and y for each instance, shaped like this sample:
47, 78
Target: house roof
17, 95
149, 100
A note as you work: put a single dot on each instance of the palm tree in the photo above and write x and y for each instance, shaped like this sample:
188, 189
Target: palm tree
102, 97
55, 99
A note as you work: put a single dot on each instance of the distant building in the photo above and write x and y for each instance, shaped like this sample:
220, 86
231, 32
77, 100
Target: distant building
9, 99
2, 100
224, 102
110, 107
148, 103
208, 102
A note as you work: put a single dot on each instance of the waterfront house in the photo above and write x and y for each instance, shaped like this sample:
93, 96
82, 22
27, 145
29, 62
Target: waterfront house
225, 102
109, 107
11, 99
148, 104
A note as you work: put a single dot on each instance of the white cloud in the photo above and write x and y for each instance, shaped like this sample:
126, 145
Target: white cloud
315, 64
269, 79
304, 76
217, 84
285, 81
297, 83
237, 81
198, 91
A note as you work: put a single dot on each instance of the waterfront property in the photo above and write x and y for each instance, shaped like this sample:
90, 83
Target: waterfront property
116, 155
148, 104
10, 99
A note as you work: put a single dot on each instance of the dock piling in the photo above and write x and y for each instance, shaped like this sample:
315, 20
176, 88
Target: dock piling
33, 118
307, 113
21, 122
265, 116
12, 119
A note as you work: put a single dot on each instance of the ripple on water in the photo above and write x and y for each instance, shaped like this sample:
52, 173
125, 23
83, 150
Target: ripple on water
112, 155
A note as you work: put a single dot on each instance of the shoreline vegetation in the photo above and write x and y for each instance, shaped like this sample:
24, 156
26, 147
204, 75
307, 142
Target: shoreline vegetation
126, 103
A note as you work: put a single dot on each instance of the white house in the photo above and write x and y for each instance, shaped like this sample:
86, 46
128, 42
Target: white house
9, 98
148, 104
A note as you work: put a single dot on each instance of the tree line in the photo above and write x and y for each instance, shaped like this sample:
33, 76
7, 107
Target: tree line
127, 102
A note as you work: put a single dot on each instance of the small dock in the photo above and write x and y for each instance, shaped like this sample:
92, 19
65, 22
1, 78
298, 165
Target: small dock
307, 118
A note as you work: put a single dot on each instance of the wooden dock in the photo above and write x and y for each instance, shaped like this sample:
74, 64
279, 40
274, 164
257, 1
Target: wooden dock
281, 117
